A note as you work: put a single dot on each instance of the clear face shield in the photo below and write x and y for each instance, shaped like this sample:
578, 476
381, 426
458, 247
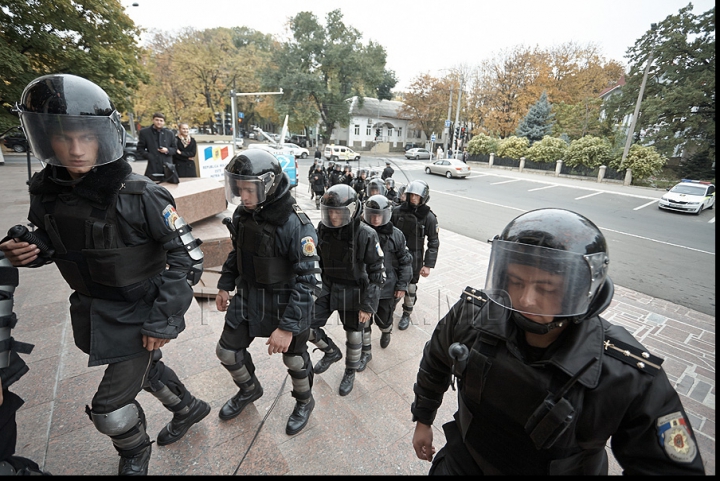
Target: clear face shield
376, 217
74, 141
248, 191
336, 217
542, 281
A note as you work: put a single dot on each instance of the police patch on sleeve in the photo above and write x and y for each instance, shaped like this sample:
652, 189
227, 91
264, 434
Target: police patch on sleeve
379, 250
674, 436
170, 215
308, 246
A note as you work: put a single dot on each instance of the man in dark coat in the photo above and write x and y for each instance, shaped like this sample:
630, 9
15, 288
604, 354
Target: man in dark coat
124, 250
388, 171
156, 144
544, 383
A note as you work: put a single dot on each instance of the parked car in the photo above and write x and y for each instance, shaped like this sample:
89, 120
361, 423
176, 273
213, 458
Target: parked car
411, 145
130, 148
297, 151
239, 143
340, 152
414, 154
689, 196
15, 140
449, 168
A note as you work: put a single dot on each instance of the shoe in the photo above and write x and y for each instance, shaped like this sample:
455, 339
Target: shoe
299, 417
384, 340
404, 321
365, 358
330, 357
238, 402
179, 425
137, 464
346, 385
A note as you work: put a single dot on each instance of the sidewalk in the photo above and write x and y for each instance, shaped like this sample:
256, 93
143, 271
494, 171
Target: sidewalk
368, 432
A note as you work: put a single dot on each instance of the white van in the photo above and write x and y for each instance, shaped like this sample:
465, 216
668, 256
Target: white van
340, 152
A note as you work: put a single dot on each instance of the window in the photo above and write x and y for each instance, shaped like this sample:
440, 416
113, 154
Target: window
357, 129
368, 130
399, 132
390, 132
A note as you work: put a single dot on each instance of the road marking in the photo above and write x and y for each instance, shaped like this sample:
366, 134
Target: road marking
711, 221
543, 188
589, 195
645, 205
506, 181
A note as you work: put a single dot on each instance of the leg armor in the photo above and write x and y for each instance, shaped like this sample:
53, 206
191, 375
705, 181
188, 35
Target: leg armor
410, 298
354, 349
300, 371
126, 428
240, 366
163, 383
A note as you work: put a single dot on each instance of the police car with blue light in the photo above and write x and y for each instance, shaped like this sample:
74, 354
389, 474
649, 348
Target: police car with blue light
689, 196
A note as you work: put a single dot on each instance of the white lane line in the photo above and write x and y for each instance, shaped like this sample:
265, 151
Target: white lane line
543, 188
589, 195
603, 228
645, 205
711, 221
506, 181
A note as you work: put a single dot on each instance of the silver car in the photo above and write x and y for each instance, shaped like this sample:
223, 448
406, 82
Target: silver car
449, 168
414, 154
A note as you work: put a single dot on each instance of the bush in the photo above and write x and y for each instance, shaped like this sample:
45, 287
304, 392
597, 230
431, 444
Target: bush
513, 147
644, 162
549, 149
589, 151
482, 144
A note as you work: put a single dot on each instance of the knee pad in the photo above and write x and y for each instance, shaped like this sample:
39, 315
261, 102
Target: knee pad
229, 357
119, 421
354, 338
294, 362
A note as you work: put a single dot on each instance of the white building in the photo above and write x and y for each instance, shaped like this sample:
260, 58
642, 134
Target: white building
383, 115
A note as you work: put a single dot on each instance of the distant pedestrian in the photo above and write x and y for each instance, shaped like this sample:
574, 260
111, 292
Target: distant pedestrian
388, 171
440, 152
465, 155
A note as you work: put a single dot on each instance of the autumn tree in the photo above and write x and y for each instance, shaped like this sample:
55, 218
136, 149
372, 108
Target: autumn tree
425, 103
93, 39
320, 67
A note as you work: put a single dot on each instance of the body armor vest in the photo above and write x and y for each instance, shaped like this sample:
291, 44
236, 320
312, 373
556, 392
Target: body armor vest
414, 230
339, 257
90, 254
256, 258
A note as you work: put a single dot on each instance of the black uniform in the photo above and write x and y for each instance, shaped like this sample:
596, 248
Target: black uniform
387, 172
624, 395
358, 184
318, 182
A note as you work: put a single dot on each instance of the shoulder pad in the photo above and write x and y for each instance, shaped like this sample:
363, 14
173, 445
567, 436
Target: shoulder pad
476, 296
302, 215
634, 356
132, 187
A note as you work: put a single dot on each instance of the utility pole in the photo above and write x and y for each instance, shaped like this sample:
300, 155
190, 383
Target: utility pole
446, 132
457, 118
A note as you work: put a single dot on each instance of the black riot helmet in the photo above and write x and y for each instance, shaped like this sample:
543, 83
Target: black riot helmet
389, 183
257, 171
377, 210
339, 206
362, 174
420, 188
65, 110
550, 262
375, 186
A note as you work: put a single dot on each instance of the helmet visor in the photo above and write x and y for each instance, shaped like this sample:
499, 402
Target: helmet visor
376, 217
73, 140
336, 217
247, 190
539, 280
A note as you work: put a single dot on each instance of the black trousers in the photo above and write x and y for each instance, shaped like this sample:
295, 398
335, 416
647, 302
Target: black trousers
239, 339
384, 316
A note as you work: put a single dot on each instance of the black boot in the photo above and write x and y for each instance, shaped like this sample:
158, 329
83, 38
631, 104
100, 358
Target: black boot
384, 340
299, 417
331, 356
237, 403
136, 463
348, 380
365, 358
404, 321
180, 423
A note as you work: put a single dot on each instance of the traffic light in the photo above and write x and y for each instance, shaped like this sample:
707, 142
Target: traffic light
462, 133
457, 132
377, 133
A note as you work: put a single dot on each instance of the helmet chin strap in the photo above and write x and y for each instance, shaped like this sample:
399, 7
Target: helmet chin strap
527, 325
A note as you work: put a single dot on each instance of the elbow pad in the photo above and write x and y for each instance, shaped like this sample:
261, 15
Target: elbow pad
190, 244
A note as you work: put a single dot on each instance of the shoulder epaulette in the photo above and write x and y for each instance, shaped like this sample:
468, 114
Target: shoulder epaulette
132, 187
302, 215
476, 296
642, 360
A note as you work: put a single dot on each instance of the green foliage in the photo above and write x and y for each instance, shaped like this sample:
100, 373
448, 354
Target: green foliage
513, 147
589, 151
679, 95
643, 161
698, 167
482, 144
321, 67
93, 39
580, 119
549, 149
538, 122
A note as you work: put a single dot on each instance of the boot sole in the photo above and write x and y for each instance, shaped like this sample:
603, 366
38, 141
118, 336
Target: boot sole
203, 415
291, 432
233, 416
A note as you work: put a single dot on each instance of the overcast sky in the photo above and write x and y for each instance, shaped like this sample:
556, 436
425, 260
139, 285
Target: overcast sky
427, 37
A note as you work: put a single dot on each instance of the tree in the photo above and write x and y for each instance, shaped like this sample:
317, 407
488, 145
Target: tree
93, 39
589, 151
513, 147
320, 68
538, 121
425, 103
549, 149
678, 106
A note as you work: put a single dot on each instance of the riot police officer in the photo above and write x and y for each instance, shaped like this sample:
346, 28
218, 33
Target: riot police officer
398, 265
352, 276
275, 268
120, 244
358, 183
417, 221
390, 191
543, 381
375, 186
318, 182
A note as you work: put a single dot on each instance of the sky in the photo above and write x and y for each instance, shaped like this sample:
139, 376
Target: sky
430, 37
